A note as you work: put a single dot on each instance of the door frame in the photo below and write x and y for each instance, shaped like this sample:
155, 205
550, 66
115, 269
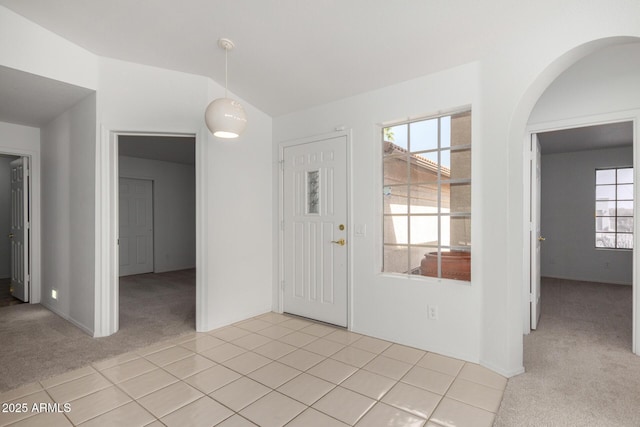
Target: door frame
600, 119
106, 315
33, 242
278, 285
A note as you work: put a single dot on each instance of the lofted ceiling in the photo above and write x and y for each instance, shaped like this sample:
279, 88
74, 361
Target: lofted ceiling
292, 54
30, 100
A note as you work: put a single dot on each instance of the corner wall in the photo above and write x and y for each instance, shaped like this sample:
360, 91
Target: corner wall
68, 220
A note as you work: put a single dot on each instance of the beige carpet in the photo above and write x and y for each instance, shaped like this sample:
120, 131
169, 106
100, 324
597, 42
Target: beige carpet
580, 369
36, 344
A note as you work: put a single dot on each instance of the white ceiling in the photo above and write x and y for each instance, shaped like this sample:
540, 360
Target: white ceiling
291, 54
587, 138
30, 100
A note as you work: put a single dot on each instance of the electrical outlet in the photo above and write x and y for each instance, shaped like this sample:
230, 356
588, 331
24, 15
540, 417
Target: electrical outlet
433, 312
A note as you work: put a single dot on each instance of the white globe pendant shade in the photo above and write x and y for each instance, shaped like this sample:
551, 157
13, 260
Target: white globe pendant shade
225, 118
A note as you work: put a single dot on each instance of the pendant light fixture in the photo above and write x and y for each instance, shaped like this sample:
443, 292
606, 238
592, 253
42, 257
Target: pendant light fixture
225, 117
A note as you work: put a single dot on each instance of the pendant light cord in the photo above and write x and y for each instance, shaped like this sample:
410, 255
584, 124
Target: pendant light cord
226, 72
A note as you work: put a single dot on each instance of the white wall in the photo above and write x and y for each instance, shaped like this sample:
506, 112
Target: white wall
387, 306
68, 194
567, 222
5, 215
604, 82
507, 83
174, 210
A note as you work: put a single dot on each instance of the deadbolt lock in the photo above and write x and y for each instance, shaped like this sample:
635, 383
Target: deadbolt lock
341, 227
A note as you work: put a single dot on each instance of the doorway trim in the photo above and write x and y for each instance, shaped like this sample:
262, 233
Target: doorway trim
35, 291
279, 288
106, 238
600, 119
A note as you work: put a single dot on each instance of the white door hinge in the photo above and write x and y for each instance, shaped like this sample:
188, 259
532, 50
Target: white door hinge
532, 298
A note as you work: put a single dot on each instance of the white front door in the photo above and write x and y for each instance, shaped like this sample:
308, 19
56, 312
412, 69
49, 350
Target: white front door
536, 238
315, 230
19, 248
136, 226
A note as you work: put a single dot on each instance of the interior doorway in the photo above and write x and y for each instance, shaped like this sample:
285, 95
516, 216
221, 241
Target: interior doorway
156, 225
14, 230
576, 172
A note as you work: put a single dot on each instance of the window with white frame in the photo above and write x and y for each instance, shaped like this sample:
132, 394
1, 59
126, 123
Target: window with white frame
427, 197
614, 208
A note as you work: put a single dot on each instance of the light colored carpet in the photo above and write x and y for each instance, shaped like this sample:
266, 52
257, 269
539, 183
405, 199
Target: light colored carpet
580, 369
36, 344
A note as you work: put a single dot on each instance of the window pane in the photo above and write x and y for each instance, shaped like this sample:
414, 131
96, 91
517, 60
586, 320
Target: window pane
395, 259
424, 167
395, 169
625, 192
417, 254
429, 263
605, 240
313, 192
606, 208
456, 265
395, 199
605, 176
396, 135
461, 129
396, 229
460, 198
460, 231
605, 192
445, 162
424, 135
625, 176
461, 164
424, 198
605, 223
625, 241
625, 224
424, 230
625, 208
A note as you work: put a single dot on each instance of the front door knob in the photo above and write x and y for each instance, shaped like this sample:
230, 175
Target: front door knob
340, 242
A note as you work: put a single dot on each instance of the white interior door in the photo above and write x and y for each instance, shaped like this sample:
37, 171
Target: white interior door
136, 226
315, 230
19, 224
536, 238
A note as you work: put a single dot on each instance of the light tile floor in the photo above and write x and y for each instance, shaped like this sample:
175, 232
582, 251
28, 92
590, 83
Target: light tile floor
272, 370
